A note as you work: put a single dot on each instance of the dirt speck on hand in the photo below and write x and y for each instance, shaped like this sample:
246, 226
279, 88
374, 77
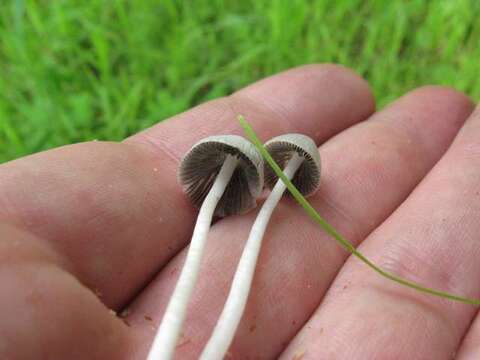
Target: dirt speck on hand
252, 328
125, 312
148, 318
299, 355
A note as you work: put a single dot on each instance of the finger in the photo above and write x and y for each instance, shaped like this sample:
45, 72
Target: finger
47, 313
431, 239
318, 100
368, 170
116, 211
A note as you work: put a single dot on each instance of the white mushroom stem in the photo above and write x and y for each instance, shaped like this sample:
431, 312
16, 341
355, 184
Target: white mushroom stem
166, 339
227, 324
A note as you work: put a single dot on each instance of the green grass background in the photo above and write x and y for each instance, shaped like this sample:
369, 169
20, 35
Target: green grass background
74, 70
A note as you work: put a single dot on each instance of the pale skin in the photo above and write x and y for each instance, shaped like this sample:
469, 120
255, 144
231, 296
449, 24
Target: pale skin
98, 226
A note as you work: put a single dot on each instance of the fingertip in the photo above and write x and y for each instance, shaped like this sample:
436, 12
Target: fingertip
440, 107
436, 96
315, 76
337, 73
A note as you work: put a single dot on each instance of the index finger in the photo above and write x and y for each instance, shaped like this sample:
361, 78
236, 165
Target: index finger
115, 211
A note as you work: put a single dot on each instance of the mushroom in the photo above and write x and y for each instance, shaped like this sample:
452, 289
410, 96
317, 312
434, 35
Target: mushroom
223, 175
298, 155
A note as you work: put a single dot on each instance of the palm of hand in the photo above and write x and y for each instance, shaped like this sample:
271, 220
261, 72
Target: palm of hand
98, 226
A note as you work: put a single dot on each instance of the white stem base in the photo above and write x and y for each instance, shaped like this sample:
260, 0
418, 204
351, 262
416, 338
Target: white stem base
227, 324
167, 335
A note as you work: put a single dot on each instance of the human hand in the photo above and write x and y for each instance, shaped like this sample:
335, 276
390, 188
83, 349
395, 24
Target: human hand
98, 226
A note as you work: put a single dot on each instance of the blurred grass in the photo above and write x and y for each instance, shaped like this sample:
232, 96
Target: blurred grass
73, 70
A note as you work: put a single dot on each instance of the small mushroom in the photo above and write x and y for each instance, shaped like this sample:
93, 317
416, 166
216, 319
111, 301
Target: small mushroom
200, 166
284, 149
223, 175
298, 155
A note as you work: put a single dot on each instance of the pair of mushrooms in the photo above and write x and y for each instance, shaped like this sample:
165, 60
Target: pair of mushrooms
223, 175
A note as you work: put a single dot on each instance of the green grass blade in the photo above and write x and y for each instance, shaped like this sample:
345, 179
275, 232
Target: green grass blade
331, 231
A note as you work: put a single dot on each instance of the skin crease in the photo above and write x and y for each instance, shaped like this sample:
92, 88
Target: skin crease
87, 227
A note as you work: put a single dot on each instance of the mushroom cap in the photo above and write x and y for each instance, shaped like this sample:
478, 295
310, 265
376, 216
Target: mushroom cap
282, 148
200, 166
